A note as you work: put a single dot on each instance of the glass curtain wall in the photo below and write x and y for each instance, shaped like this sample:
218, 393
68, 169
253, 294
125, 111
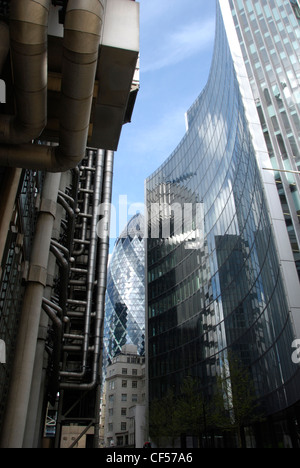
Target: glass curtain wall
214, 279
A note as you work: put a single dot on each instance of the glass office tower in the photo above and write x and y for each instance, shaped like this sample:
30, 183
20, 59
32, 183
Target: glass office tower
125, 296
221, 273
269, 33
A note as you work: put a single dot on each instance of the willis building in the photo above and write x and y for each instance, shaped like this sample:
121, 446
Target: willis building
69, 80
223, 224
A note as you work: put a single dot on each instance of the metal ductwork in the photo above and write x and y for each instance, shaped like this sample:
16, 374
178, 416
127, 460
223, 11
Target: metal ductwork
28, 46
68, 87
98, 255
28, 29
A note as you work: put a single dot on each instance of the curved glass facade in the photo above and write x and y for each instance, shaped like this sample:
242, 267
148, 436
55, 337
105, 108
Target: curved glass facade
125, 296
217, 284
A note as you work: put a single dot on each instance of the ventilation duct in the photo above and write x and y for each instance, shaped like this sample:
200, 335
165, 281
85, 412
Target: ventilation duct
28, 30
28, 46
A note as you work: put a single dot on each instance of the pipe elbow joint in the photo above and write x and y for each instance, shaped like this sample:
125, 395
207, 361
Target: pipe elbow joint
64, 161
13, 131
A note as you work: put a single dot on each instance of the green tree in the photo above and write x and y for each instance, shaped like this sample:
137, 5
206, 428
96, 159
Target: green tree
163, 423
190, 409
234, 405
173, 416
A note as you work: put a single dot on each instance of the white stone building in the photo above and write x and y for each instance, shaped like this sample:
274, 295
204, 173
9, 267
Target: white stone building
125, 408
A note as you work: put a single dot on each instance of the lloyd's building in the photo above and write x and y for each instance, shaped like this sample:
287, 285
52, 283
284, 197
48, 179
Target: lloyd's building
223, 222
70, 75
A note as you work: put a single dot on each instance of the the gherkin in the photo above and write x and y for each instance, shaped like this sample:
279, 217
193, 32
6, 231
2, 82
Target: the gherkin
125, 296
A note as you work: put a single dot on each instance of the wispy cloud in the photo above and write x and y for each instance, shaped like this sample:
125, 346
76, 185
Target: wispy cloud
159, 139
181, 44
153, 10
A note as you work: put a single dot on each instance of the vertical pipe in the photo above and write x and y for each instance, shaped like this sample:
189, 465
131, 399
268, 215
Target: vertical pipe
91, 265
19, 394
93, 250
31, 439
101, 287
103, 250
102, 260
87, 195
37, 404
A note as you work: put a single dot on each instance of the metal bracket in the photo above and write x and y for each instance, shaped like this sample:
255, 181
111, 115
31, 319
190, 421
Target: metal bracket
48, 206
37, 274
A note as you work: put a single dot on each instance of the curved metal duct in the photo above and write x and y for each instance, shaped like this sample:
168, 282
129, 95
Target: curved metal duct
81, 41
28, 45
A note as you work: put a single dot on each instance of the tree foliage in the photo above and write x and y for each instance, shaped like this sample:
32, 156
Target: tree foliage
173, 416
189, 412
233, 406
235, 402
163, 421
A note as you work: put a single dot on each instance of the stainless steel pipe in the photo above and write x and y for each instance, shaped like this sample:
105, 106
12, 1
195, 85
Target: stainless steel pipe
21, 379
102, 255
90, 282
83, 24
28, 44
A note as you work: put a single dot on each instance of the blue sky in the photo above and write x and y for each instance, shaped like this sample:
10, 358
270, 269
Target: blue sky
176, 46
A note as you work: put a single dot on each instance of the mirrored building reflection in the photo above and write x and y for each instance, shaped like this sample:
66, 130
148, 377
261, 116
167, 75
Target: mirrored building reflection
226, 281
125, 296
